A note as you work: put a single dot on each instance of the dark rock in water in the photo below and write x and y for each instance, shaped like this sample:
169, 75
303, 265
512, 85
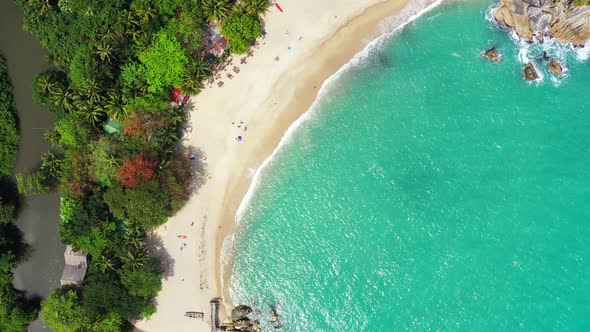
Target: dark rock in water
529, 72
274, 317
545, 56
240, 312
492, 54
540, 37
555, 67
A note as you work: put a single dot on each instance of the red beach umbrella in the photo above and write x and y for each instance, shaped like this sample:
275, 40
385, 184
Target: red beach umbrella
279, 7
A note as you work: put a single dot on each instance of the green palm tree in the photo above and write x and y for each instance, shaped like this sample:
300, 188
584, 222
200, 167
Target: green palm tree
115, 105
191, 83
93, 92
105, 51
92, 114
167, 136
200, 67
216, 10
51, 164
175, 115
63, 97
134, 260
52, 136
135, 235
141, 42
145, 15
256, 7
106, 263
44, 6
196, 71
45, 84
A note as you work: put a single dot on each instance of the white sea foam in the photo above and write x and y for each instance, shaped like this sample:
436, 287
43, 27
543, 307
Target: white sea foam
388, 28
226, 251
395, 23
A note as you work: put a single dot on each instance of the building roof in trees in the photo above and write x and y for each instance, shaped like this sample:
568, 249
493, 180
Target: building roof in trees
75, 267
113, 127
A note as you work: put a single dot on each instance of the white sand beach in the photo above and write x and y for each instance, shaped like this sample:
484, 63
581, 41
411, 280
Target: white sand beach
311, 39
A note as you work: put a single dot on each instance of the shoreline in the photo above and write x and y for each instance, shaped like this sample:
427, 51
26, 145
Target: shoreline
304, 47
354, 38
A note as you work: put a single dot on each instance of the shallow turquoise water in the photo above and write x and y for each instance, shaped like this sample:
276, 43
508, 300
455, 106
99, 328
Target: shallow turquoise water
431, 190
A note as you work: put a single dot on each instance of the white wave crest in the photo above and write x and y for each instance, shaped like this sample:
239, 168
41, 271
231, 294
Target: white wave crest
391, 25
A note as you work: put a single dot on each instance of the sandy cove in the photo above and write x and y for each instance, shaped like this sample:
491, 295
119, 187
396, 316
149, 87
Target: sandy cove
312, 40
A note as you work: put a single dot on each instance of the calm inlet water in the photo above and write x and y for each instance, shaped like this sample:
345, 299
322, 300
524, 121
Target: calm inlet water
429, 190
38, 220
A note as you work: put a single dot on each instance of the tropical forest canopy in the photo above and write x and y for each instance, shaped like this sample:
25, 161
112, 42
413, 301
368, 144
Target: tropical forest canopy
116, 62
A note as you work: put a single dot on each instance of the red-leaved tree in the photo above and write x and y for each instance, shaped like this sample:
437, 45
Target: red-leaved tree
137, 171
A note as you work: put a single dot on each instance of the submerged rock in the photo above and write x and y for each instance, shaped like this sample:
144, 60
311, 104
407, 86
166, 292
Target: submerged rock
555, 67
240, 312
492, 54
529, 72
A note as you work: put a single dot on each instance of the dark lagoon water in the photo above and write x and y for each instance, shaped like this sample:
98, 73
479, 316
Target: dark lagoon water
38, 220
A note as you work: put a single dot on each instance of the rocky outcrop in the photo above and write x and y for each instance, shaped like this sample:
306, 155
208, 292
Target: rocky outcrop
529, 72
560, 19
240, 312
555, 67
492, 54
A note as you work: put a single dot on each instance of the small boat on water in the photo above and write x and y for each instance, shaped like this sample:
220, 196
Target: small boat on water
194, 314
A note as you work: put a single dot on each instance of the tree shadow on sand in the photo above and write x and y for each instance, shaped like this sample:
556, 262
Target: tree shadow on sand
198, 166
155, 247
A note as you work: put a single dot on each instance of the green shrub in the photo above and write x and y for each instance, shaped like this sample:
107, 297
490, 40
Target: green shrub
241, 30
9, 135
31, 183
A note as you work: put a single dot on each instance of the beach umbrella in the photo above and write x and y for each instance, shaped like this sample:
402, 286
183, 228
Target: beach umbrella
239, 138
182, 236
279, 7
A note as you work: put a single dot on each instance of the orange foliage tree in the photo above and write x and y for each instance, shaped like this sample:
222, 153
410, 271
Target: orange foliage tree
134, 172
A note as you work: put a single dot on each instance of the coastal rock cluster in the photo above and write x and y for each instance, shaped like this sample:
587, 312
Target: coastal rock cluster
529, 71
560, 19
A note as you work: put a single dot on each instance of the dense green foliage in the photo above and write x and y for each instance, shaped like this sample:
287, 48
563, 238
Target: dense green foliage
118, 60
241, 29
16, 312
8, 123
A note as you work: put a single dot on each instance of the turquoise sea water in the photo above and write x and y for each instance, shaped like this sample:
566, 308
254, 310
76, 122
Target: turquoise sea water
430, 190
